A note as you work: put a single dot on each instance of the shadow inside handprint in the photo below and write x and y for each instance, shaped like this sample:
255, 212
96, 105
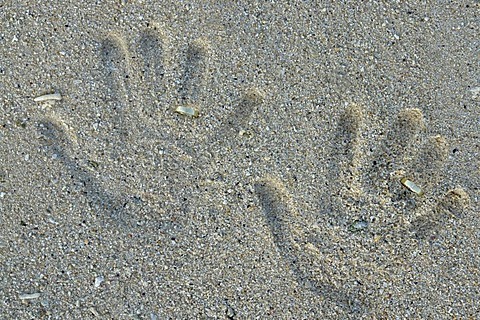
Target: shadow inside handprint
102, 201
370, 184
313, 269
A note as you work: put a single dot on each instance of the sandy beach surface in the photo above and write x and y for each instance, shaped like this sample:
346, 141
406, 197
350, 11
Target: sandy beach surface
227, 160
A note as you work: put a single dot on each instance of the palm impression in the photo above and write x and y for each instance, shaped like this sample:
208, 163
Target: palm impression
145, 149
381, 202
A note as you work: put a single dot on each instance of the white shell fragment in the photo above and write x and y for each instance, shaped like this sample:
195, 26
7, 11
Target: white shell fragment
98, 281
410, 185
29, 296
358, 225
48, 97
187, 111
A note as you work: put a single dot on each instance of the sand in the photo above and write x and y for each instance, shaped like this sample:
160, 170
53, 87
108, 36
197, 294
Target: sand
282, 199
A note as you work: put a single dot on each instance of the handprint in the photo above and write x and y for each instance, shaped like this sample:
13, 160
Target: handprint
370, 220
147, 163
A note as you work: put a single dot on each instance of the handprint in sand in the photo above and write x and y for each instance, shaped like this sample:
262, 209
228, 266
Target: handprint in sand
380, 203
144, 152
